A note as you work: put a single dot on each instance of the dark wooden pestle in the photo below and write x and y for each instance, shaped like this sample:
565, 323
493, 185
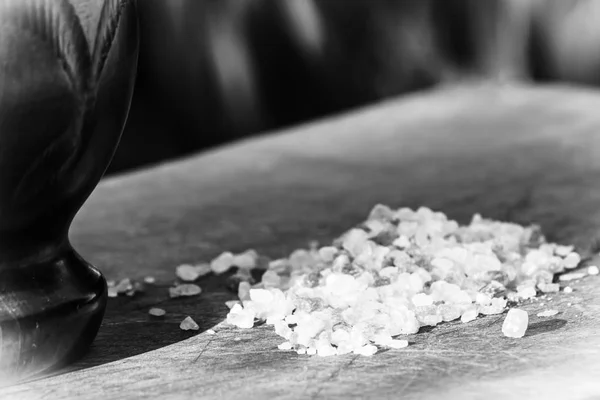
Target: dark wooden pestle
67, 69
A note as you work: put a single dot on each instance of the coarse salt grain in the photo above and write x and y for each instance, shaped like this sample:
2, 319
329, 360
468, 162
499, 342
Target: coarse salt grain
593, 270
188, 324
547, 313
516, 323
211, 332
149, 280
222, 263
157, 312
184, 290
568, 289
187, 273
572, 276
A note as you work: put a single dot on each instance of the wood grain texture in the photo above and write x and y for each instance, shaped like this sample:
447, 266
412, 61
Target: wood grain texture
517, 153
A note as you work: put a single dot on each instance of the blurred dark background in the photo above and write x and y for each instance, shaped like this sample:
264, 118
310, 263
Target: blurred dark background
213, 71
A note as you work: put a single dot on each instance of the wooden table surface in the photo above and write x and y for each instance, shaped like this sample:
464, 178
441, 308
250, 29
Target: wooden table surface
517, 153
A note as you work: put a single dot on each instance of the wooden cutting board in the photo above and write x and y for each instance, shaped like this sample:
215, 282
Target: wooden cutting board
517, 153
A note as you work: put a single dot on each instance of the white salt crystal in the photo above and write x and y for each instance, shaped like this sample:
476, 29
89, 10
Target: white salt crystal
366, 350
149, 280
593, 270
188, 324
547, 313
568, 289
311, 351
112, 292
157, 312
222, 263
187, 273
422, 299
246, 260
516, 323
211, 332
526, 293
402, 242
572, 260
549, 287
572, 276
285, 346
270, 279
469, 315
184, 290
244, 291
241, 317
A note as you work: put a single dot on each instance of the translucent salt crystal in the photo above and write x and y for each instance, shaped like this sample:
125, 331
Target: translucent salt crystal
328, 253
301, 350
354, 241
184, 290
241, 317
187, 273
381, 212
547, 313
244, 291
112, 292
515, 324
422, 299
222, 263
469, 315
157, 312
311, 351
483, 299
497, 307
402, 242
526, 293
568, 289
549, 287
211, 332
449, 312
572, 260
149, 279
593, 270
246, 260
563, 251
202, 269
125, 285
572, 276
285, 346
261, 295
271, 279
366, 350
188, 324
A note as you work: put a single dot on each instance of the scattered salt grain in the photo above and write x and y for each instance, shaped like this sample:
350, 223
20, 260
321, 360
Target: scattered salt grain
549, 287
572, 276
515, 324
469, 315
188, 324
124, 286
112, 292
572, 260
568, 289
211, 332
285, 346
547, 313
184, 290
187, 273
246, 260
241, 317
593, 270
222, 263
157, 312
149, 280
